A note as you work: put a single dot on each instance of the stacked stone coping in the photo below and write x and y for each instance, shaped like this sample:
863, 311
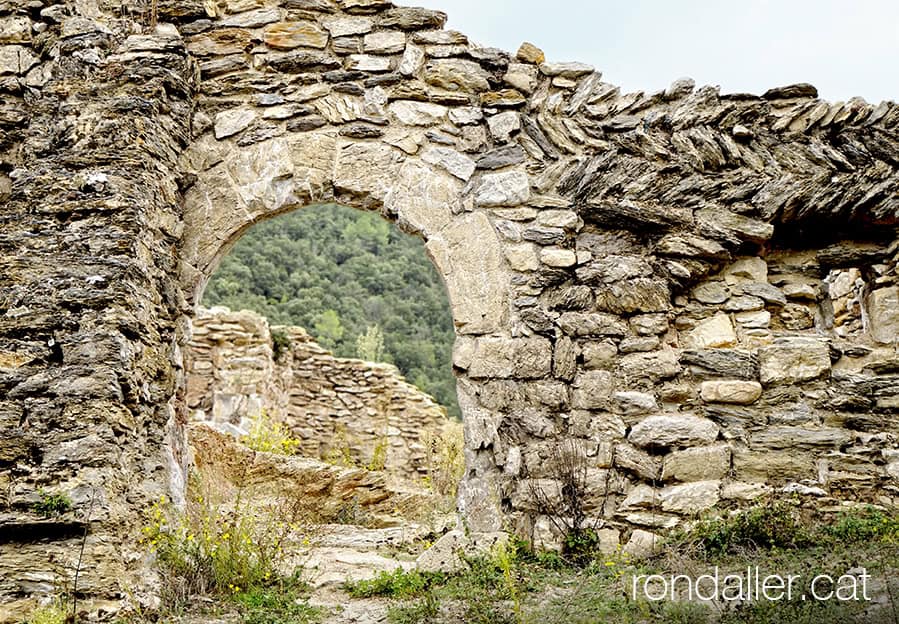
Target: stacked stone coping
566, 217
332, 405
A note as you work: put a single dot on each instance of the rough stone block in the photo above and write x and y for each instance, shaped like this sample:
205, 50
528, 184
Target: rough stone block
518, 358
746, 270
634, 296
503, 125
593, 324
640, 496
690, 498
414, 113
368, 63
599, 354
773, 466
643, 544
794, 360
509, 188
640, 463
651, 367
446, 554
384, 42
673, 430
882, 307
457, 75
737, 490
719, 222
592, 389
565, 359
558, 258
475, 275
634, 403
522, 257
448, 159
649, 324
424, 200
712, 293
800, 437
233, 121
344, 26
738, 392
706, 363
290, 35
717, 331
529, 53
697, 464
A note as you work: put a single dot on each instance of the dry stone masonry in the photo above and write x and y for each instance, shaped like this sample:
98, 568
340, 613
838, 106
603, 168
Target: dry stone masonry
339, 409
698, 288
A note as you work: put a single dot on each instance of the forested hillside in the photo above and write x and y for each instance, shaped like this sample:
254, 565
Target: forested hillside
352, 280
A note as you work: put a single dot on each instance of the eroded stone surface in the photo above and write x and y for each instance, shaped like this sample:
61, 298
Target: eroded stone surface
697, 464
664, 431
739, 392
635, 244
791, 360
717, 331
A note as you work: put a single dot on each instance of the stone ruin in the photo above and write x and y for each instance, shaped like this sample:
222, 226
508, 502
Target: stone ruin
699, 288
337, 408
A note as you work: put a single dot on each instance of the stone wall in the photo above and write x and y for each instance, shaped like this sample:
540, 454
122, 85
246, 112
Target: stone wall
90, 224
338, 408
770, 375
574, 226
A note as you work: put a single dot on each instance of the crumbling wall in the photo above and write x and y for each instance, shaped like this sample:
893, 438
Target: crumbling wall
339, 409
572, 225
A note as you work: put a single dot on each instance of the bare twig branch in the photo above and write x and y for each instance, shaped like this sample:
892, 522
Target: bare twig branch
87, 524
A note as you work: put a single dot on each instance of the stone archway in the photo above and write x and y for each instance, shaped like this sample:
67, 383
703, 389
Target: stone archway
604, 255
254, 183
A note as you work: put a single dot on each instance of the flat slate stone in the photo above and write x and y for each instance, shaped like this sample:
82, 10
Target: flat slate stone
733, 363
502, 157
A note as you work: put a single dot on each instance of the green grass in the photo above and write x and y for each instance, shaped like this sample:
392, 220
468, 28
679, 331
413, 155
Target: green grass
396, 584
804, 612
525, 587
869, 523
283, 604
775, 524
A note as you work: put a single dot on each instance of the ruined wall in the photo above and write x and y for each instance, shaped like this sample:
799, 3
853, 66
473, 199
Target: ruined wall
334, 406
574, 227
91, 126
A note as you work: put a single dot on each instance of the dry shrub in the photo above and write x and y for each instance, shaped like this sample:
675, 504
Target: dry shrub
446, 458
566, 508
339, 452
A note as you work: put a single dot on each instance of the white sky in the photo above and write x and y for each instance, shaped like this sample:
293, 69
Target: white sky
845, 48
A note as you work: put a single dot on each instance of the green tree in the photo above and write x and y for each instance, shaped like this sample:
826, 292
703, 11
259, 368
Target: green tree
328, 328
339, 272
370, 345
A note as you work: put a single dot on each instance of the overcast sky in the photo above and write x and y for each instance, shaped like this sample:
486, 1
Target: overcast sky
845, 48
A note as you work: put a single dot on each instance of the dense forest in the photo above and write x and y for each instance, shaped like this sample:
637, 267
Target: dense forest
356, 283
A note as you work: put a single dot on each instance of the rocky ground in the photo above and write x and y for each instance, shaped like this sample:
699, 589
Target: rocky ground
345, 524
344, 553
